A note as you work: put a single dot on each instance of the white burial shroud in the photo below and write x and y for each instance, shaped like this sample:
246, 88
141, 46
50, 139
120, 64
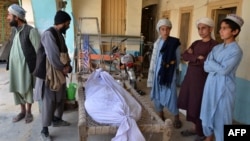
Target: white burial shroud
108, 102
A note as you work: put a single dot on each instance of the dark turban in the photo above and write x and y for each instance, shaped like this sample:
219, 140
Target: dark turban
61, 17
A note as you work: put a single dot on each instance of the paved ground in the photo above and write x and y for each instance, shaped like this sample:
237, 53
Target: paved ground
30, 132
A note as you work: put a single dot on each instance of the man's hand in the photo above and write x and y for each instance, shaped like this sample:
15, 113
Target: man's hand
66, 69
190, 51
200, 57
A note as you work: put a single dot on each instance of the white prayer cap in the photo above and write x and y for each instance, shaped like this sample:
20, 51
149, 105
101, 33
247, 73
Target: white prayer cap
17, 11
206, 21
162, 22
233, 17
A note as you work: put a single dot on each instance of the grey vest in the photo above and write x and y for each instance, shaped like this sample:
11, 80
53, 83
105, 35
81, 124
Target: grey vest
27, 47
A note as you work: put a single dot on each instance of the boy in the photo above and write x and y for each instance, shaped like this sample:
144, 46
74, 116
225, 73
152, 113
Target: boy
220, 89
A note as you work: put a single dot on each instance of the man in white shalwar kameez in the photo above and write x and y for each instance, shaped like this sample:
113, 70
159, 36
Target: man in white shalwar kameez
24, 44
220, 88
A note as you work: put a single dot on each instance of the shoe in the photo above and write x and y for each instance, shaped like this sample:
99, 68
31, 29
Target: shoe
188, 132
140, 92
59, 123
177, 123
28, 118
19, 117
199, 138
45, 137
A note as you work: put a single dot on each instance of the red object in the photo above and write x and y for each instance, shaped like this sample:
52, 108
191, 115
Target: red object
130, 64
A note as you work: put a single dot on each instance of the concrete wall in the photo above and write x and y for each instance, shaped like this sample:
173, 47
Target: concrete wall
146, 3
45, 19
87, 8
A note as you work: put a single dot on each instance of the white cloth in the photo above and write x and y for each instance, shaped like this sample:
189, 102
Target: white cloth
108, 102
206, 21
163, 22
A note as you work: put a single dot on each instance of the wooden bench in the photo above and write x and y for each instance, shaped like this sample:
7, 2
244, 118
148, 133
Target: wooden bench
149, 123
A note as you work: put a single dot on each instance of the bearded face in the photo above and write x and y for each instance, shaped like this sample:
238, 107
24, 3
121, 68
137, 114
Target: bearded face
13, 21
65, 27
63, 30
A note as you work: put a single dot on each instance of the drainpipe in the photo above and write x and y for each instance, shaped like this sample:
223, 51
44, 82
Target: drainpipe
20, 2
3, 29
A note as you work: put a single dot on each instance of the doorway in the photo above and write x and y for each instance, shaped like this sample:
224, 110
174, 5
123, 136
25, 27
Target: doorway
148, 23
113, 20
185, 22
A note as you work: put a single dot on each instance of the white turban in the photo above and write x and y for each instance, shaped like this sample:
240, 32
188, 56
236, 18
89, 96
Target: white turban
17, 11
206, 21
162, 22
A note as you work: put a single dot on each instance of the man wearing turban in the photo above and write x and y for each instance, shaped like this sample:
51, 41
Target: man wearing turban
22, 60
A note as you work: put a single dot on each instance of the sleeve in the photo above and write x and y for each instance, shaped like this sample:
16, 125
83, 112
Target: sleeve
178, 57
190, 57
51, 50
225, 66
206, 54
35, 38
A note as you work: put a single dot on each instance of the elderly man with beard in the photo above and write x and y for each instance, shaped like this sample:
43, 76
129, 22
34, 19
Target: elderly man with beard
24, 43
51, 74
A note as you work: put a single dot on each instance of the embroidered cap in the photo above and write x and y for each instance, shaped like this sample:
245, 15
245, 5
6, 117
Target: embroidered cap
17, 11
206, 21
162, 22
233, 17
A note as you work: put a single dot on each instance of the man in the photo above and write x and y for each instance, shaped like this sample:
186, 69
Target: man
22, 61
51, 74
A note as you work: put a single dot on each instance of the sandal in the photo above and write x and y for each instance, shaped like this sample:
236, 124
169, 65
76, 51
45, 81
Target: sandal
177, 123
140, 92
199, 138
188, 132
28, 118
19, 117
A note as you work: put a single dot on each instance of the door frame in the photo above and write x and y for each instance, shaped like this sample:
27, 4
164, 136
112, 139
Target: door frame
189, 10
224, 4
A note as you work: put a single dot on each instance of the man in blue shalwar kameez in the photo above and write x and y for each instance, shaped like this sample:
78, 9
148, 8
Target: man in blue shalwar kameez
220, 88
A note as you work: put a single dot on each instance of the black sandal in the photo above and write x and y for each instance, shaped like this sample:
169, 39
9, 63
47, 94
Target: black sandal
187, 133
19, 117
140, 92
177, 124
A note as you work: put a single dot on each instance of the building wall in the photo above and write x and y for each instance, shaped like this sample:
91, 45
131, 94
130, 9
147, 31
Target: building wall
26, 4
146, 3
87, 8
43, 17
5, 29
